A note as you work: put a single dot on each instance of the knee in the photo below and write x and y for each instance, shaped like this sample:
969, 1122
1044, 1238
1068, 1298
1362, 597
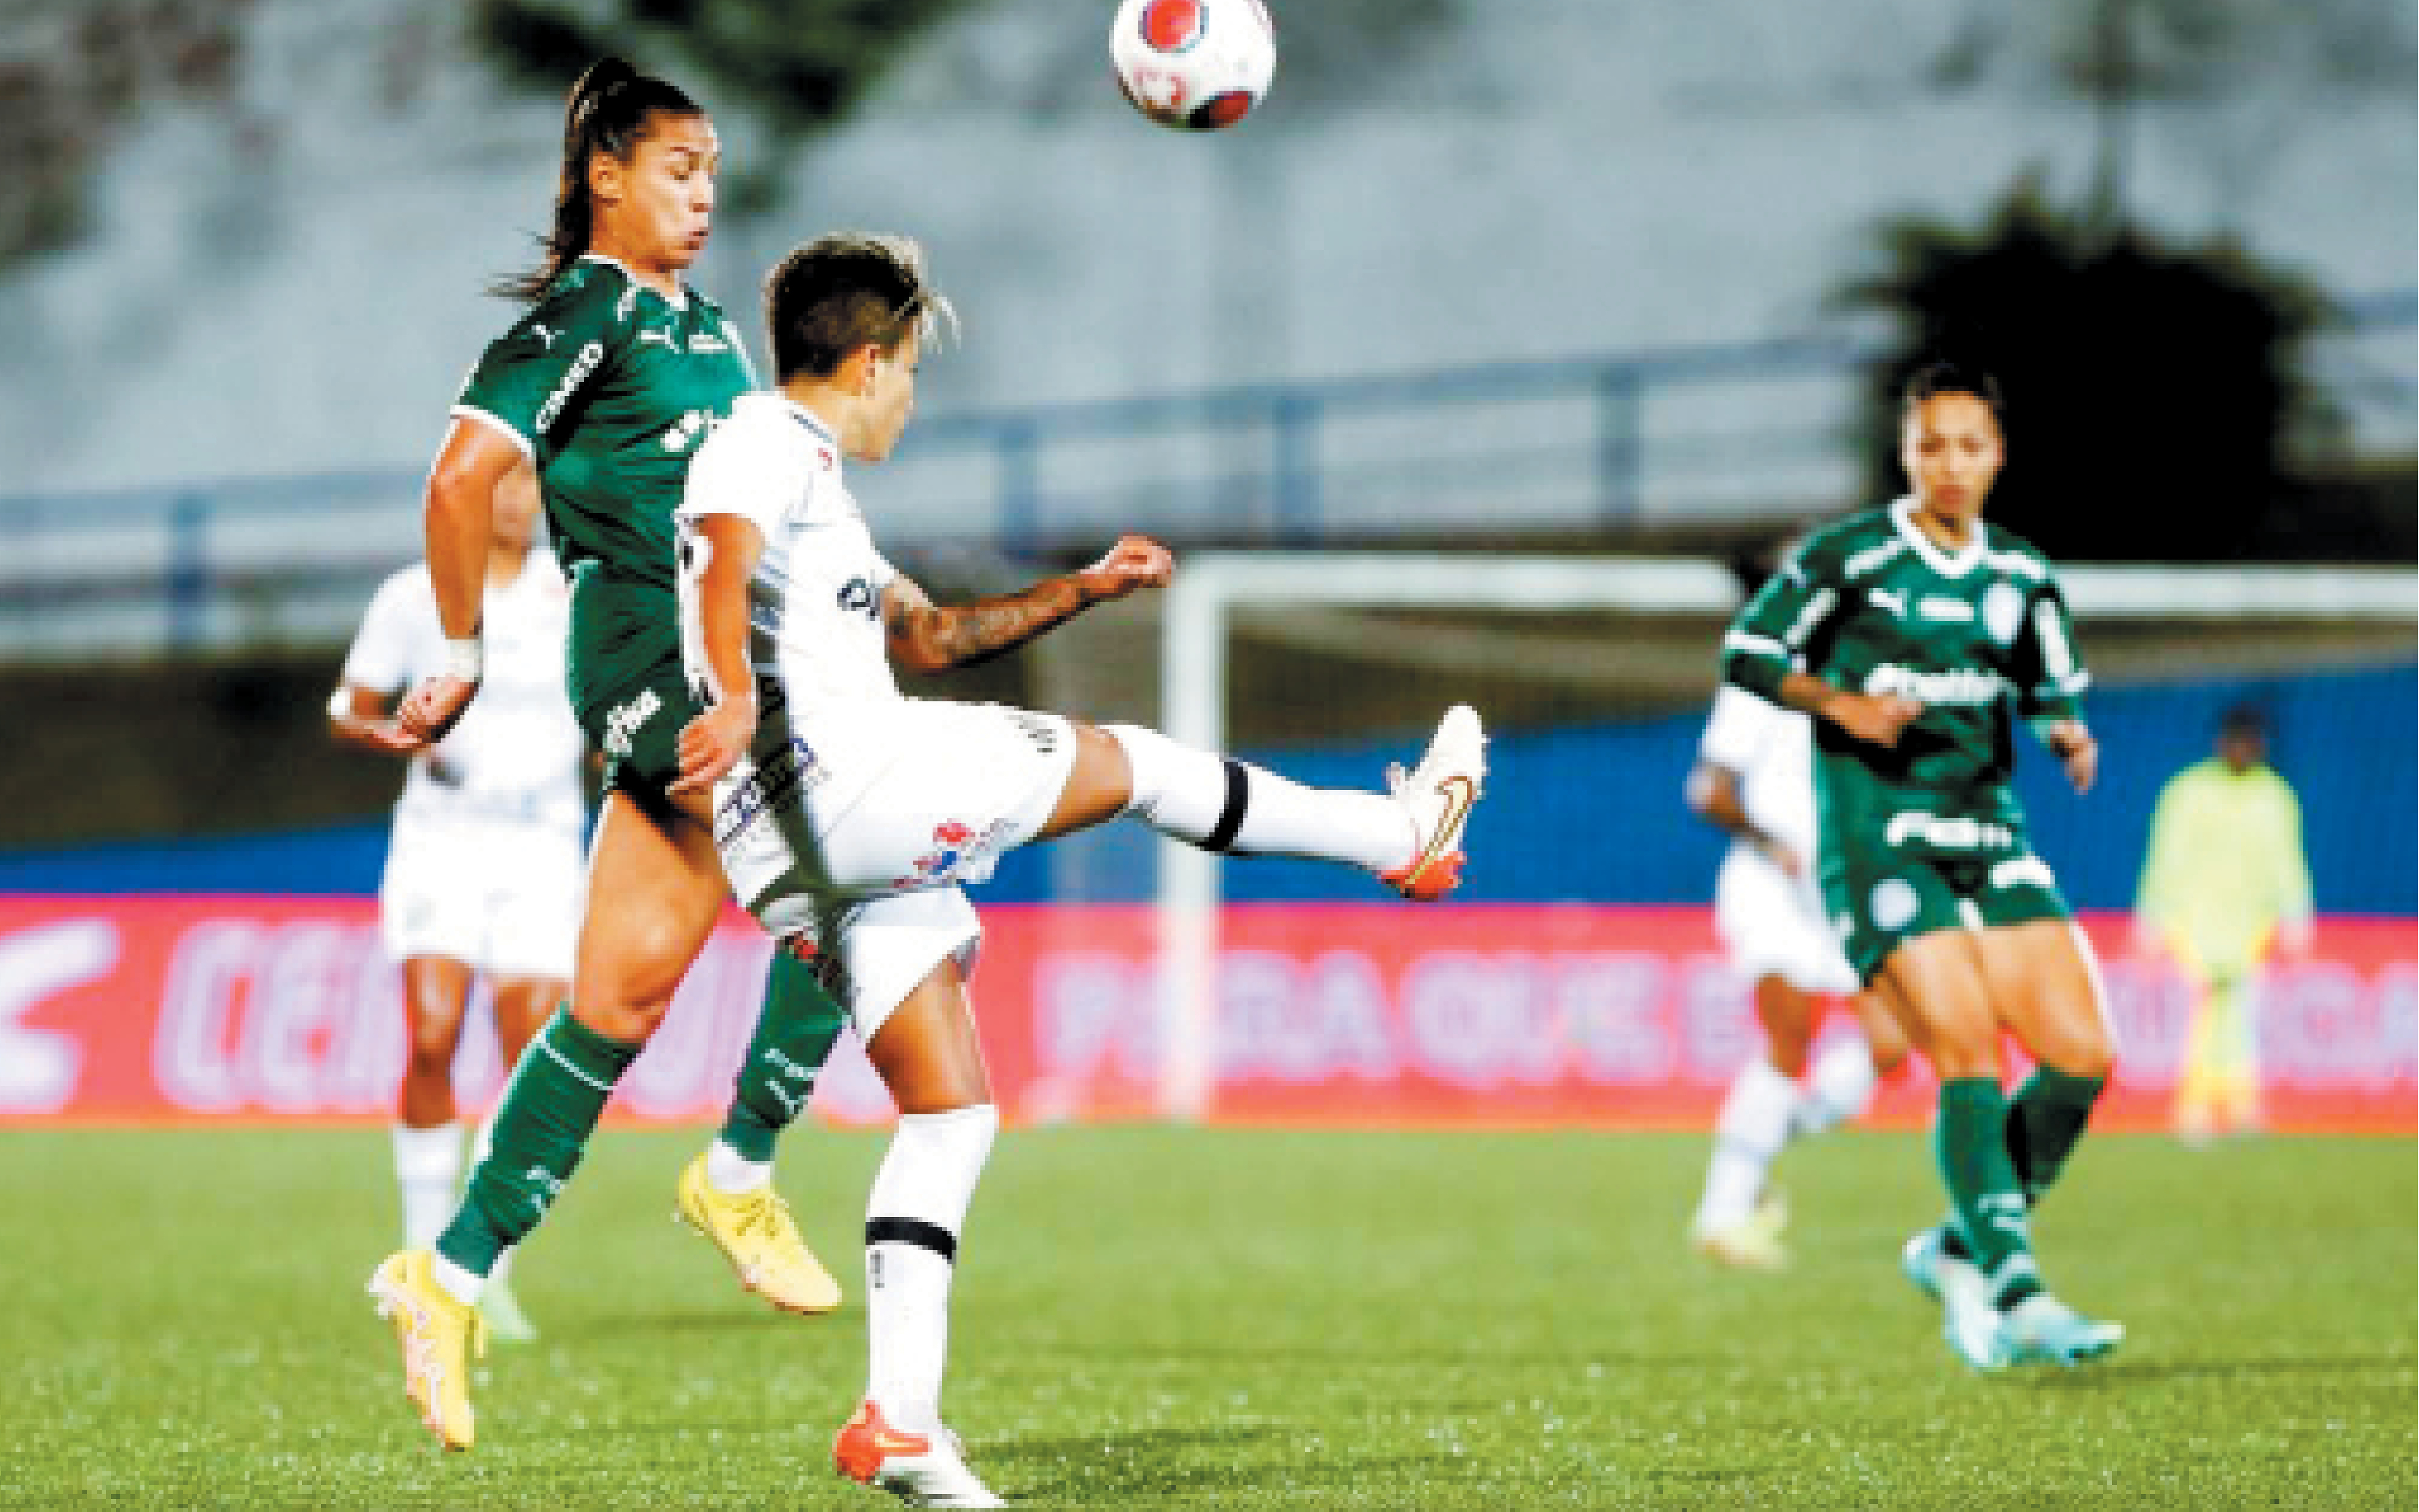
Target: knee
1888, 1053
436, 1030
1961, 1048
2091, 1059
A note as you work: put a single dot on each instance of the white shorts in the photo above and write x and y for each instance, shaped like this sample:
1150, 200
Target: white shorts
1772, 925
502, 899
872, 953
969, 783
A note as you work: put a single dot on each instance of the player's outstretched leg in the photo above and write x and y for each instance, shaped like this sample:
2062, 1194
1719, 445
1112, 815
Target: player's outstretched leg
1409, 837
726, 1193
439, 1338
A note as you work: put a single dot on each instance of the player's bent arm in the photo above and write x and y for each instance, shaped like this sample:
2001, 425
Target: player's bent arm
1714, 796
723, 555
1876, 718
457, 519
358, 716
930, 637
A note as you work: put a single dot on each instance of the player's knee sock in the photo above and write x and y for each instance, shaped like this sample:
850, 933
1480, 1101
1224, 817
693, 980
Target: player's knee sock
794, 1031
912, 1223
1221, 804
549, 1109
1970, 1140
1838, 1086
1752, 1128
428, 1169
2045, 1120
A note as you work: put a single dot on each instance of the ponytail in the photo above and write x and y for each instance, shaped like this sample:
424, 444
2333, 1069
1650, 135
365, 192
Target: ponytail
607, 111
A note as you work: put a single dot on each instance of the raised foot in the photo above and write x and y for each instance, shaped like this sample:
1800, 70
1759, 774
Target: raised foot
756, 1233
1438, 795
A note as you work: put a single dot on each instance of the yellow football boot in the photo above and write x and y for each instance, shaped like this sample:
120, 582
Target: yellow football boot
440, 1338
757, 1235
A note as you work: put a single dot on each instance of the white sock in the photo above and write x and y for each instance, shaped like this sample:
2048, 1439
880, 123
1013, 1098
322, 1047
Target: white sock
1754, 1125
733, 1174
428, 1169
462, 1285
913, 1219
1838, 1086
1222, 804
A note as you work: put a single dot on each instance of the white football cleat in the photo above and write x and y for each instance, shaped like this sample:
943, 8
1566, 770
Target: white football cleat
1754, 1242
1968, 1319
922, 1469
2042, 1329
1438, 793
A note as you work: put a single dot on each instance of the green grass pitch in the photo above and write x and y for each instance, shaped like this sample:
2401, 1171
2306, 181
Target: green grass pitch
1158, 1316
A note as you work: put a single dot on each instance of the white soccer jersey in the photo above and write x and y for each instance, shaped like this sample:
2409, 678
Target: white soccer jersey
1771, 751
815, 600
514, 758
1772, 923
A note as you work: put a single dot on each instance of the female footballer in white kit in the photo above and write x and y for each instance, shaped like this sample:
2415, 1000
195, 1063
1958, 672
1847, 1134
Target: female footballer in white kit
1754, 779
483, 870
848, 814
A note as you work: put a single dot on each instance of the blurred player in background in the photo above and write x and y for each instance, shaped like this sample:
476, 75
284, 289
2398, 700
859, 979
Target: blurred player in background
2223, 882
849, 815
1916, 635
606, 384
1754, 781
483, 870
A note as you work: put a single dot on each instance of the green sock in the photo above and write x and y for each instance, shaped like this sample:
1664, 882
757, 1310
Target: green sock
1970, 1140
548, 1109
795, 1032
2045, 1121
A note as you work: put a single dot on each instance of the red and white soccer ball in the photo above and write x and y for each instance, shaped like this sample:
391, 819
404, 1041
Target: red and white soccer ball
1194, 65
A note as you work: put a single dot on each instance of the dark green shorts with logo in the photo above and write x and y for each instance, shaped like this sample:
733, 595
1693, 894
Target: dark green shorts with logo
627, 690
1895, 865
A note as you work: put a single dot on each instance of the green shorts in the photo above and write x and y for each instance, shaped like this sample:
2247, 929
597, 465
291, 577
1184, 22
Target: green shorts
627, 690
1895, 866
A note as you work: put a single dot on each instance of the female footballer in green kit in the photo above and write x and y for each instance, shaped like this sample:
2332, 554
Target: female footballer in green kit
607, 382
1916, 636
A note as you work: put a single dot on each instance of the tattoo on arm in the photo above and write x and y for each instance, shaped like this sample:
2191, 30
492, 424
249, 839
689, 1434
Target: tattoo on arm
930, 637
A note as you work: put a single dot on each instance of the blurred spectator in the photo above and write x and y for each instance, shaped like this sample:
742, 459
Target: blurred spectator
2224, 881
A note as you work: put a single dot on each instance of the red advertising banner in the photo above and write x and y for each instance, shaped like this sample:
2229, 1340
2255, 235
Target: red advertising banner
152, 1008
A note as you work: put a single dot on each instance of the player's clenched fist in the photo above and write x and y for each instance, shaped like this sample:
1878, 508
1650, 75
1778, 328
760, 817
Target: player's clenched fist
434, 708
1134, 562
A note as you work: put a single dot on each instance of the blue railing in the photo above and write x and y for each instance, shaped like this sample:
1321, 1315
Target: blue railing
1761, 428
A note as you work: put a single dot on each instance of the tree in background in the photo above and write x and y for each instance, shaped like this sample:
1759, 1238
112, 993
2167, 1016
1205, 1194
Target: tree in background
2152, 390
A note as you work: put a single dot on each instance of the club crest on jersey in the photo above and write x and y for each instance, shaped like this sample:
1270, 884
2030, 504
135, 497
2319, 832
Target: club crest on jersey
955, 845
2003, 610
856, 596
684, 431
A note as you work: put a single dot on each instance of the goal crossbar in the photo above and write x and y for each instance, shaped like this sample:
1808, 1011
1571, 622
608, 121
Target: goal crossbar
1207, 589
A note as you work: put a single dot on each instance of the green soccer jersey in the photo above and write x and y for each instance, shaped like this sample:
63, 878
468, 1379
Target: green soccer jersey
1871, 604
609, 386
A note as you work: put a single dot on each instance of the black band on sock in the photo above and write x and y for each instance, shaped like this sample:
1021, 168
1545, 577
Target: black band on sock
913, 1232
1230, 818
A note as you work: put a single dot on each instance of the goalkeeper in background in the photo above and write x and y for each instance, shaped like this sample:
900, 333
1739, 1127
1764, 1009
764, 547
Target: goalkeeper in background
2224, 881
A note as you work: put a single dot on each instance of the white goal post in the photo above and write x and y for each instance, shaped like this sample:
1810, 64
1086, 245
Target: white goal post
1208, 588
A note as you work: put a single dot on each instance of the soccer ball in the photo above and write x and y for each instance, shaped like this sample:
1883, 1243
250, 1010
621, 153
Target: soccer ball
1194, 65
